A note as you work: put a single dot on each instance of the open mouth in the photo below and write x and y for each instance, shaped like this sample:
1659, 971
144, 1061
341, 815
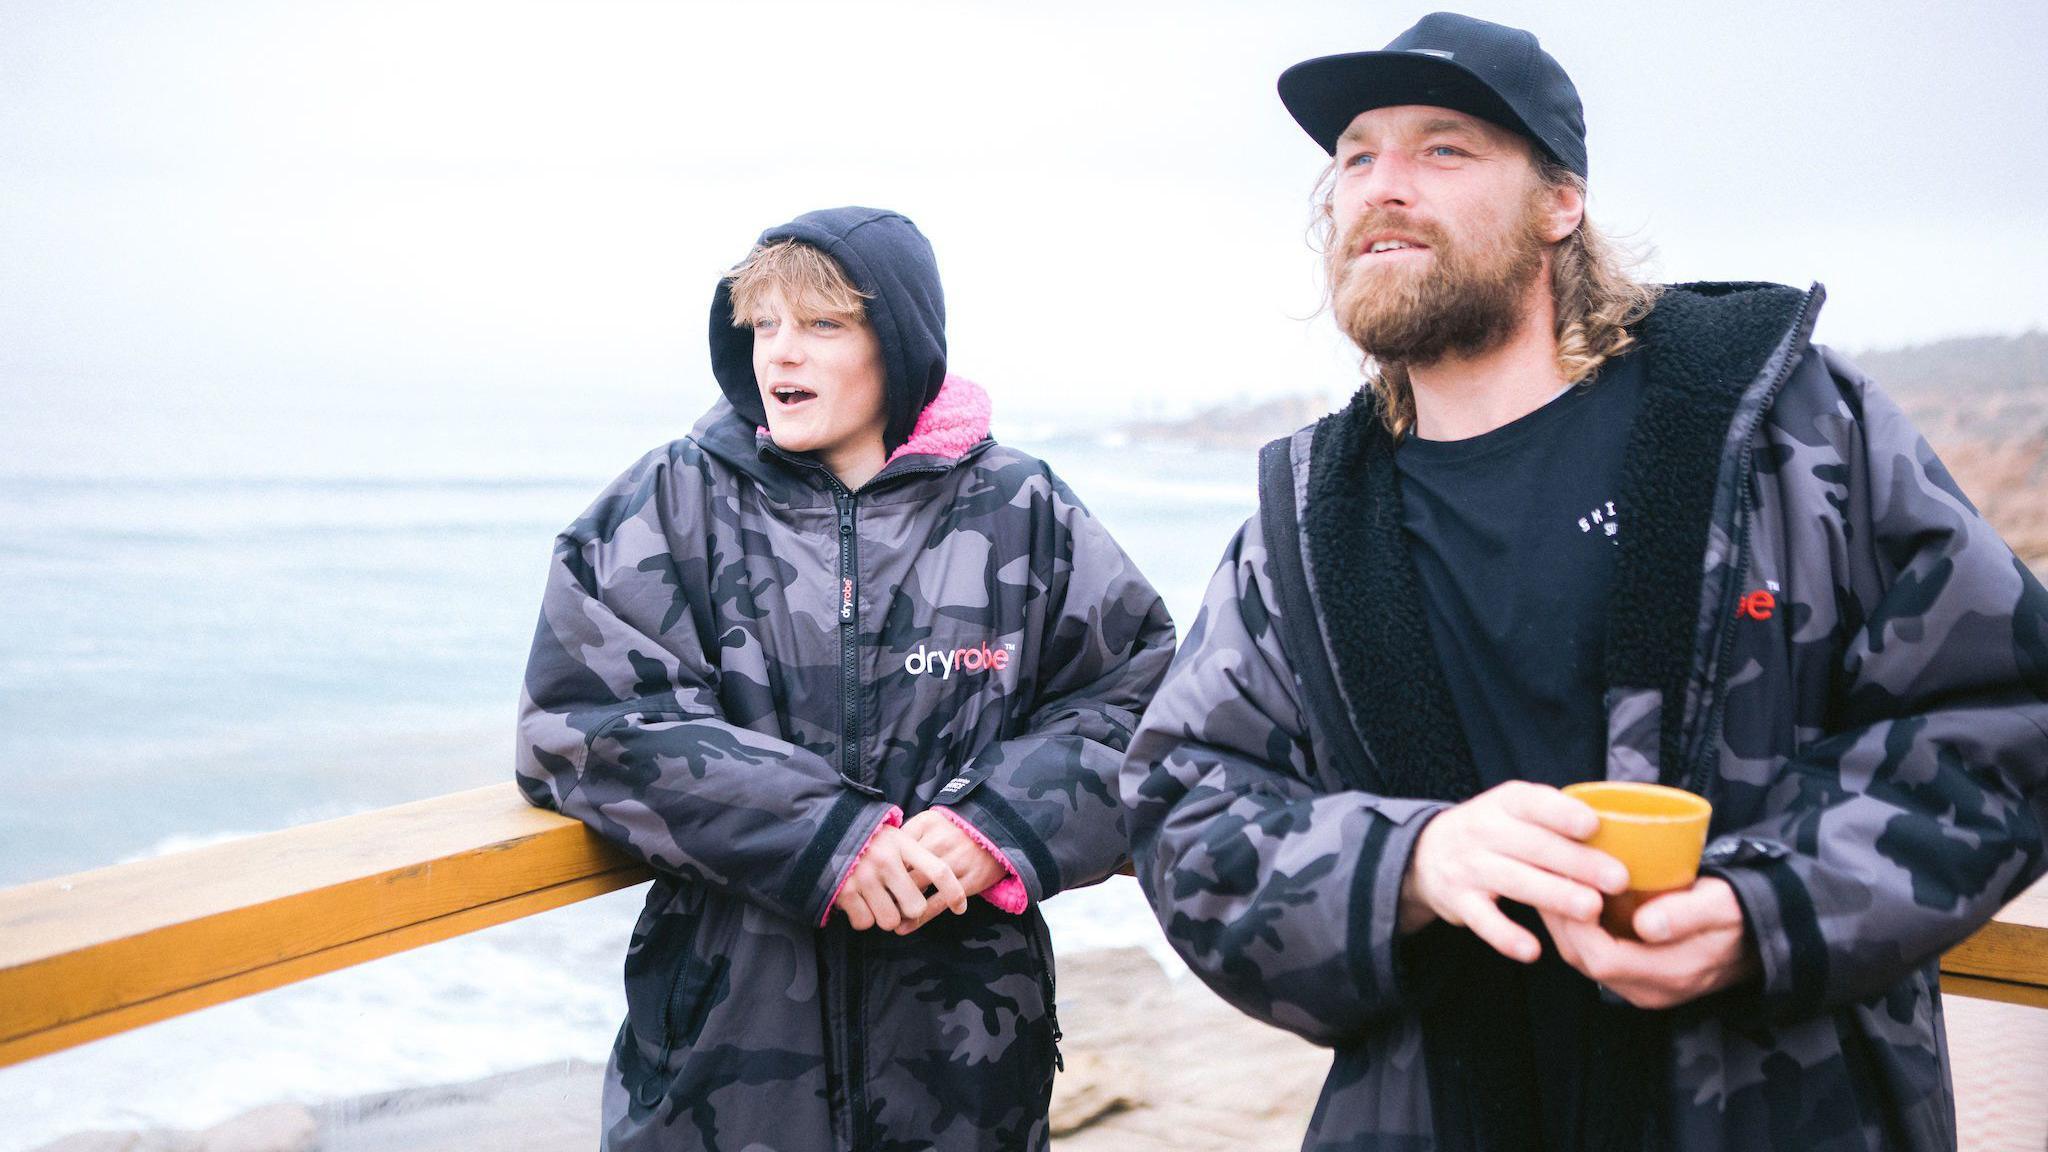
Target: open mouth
791, 395
1390, 246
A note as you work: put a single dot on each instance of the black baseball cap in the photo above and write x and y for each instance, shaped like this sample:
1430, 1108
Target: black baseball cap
1491, 71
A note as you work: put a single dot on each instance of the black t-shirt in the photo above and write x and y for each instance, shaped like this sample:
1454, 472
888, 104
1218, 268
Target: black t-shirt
1513, 534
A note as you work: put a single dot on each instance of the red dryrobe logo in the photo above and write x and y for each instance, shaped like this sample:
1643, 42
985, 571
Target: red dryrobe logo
1758, 605
846, 599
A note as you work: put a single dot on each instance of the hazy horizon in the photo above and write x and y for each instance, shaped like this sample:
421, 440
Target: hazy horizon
477, 239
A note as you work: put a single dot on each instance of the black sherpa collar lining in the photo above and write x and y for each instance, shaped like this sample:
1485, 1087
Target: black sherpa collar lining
1370, 600
1704, 345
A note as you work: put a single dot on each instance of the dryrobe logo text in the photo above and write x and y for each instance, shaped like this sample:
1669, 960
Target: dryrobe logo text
946, 661
1760, 604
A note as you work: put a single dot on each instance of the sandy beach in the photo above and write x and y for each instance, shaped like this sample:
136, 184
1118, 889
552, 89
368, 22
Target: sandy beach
1153, 1064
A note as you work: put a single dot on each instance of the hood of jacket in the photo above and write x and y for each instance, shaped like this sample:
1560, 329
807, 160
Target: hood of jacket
890, 261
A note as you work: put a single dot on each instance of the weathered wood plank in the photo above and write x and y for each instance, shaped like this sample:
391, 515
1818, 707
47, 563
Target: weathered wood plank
2013, 948
99, 952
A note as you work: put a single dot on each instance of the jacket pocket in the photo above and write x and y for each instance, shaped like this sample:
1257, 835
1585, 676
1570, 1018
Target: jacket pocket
1040, 937
700, 983
675, 976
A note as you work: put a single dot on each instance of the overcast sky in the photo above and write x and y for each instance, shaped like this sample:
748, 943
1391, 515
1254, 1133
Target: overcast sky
250, 232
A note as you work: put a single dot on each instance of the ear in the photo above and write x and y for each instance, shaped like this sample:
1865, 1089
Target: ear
1560, 208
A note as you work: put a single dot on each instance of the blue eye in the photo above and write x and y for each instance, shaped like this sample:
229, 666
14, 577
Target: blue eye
1445, 150
762, 325
1358, 159
824, 323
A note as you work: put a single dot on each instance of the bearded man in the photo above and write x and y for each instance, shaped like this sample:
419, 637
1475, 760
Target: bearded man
1576, 528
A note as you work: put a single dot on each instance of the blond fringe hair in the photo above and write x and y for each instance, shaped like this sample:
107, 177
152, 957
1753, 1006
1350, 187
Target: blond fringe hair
810, 282
1597, 297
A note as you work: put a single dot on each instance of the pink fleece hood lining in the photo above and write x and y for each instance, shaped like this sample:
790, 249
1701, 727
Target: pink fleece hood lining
957, 419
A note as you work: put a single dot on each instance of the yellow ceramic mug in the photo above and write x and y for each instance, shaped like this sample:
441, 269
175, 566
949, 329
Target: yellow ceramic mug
1657, 832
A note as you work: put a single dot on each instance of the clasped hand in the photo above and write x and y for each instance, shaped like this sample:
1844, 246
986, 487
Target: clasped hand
1523, 842
910, 875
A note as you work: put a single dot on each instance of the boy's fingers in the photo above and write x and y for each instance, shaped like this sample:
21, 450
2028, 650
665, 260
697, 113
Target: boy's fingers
932, 911
907, 893
856, 910
881, 901
936, 872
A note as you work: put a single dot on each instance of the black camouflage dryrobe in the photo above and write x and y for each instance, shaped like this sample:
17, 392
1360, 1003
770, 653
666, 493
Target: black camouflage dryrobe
1810, 625
742, 669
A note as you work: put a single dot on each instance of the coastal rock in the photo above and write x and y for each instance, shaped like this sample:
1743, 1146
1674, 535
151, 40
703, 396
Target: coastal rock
551, 1108
1198, 1075
1093, 1086
113, 1142
273, 1128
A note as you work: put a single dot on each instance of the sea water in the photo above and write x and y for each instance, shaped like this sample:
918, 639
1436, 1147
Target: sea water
190, 658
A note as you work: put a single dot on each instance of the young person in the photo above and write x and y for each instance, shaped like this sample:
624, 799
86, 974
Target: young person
855, 680
1578, 527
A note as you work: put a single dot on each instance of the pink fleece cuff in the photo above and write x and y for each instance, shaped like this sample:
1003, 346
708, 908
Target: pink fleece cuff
892, 819
1007, 894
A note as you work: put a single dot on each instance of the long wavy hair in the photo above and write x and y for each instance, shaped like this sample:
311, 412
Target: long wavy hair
1597, 296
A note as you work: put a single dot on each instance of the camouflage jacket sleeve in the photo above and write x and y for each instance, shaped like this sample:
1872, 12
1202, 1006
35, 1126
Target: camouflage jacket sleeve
620, 724
1279, 892
1047, 796
1907, 825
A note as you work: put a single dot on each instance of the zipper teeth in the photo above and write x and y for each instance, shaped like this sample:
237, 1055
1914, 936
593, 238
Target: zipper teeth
1695, 774
849, 766
1041, 944
849, 632
855, 1064
851, 644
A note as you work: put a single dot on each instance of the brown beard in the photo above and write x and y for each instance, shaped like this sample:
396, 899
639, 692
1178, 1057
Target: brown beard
1468, 299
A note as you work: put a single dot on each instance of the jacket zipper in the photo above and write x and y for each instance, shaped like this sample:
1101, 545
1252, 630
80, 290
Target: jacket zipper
847, 504
1040, 936
1703, 738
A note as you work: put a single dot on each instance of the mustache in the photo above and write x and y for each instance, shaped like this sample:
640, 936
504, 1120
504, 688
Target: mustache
1379, 220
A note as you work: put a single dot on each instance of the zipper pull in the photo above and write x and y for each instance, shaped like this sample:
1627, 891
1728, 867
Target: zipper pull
1052, 1017
845, 506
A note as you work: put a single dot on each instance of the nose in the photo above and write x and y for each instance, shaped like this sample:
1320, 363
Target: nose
779, 344
1390, 182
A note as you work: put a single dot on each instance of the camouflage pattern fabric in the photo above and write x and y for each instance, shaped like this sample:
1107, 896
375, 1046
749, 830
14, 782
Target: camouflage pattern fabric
739, 668
1865, 704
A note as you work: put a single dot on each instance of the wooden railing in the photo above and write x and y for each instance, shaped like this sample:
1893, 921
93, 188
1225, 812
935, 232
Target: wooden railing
101, 952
